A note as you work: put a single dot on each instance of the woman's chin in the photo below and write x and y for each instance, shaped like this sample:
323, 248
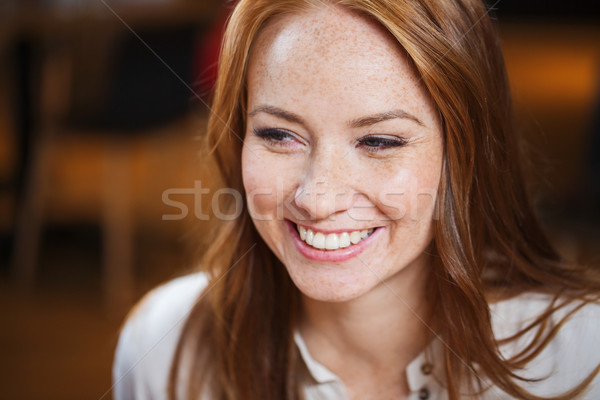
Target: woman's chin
333, 286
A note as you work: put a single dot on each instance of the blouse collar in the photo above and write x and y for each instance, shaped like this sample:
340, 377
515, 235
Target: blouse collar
425, 373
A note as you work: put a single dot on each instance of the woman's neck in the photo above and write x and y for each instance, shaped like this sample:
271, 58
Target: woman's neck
378, 333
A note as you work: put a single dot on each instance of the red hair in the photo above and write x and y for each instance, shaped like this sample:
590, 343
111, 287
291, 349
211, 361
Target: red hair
487, 242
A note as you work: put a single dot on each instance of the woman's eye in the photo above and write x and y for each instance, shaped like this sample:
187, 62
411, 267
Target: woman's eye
378, 143
275, 136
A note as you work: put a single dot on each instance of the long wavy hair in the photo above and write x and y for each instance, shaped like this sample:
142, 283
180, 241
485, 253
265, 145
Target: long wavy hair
238, 340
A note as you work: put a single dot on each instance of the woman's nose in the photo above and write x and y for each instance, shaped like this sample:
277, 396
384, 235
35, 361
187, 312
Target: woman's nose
325, 189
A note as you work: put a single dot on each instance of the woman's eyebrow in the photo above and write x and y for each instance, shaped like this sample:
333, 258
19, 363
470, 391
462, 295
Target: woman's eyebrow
355, 123
278, 112
375, 118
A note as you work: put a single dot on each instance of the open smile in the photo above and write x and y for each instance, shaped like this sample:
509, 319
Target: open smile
333, 246
332, 240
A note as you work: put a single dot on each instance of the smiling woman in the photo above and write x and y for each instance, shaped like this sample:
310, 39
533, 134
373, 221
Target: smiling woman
320, 131
388, 249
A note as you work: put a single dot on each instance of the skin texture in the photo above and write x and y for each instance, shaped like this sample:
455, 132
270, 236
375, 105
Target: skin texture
331, 69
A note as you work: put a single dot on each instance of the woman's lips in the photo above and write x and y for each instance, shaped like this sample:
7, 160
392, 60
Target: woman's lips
330, 255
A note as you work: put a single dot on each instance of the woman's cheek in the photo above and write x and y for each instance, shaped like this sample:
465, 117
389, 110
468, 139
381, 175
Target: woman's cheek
260, 194
253, 178
396, 198
405, 196
268, 181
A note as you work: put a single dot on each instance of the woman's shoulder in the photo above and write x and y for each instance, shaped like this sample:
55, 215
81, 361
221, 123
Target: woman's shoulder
149, 337
571, 354
511, 315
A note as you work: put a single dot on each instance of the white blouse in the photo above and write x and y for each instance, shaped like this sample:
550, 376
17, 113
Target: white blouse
149, 337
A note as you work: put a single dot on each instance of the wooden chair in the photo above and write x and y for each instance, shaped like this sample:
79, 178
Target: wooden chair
110, 88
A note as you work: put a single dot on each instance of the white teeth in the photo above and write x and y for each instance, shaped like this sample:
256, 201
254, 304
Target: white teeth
309, 237
332, 241
319, 241
344, 240
355, 237
302, 231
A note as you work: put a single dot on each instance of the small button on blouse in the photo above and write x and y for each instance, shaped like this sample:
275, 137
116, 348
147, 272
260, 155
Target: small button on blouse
427, 368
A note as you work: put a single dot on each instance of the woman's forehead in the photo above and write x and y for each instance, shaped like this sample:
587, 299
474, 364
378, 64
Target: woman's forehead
329, 32
332, 55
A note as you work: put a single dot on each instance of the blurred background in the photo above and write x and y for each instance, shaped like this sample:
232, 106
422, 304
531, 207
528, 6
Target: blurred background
101, 106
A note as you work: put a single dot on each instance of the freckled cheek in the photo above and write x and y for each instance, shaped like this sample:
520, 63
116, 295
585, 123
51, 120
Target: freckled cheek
267, 186
409, 194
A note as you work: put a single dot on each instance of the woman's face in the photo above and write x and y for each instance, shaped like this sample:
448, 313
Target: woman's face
341, 142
